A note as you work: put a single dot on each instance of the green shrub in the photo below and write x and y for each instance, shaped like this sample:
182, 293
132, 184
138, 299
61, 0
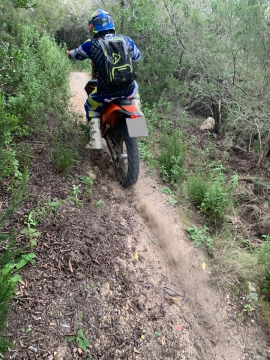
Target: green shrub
8, 253
8, 161
7, 290
200, 237
41, 82
62, 157
211, 193
215, 203
264, 260
197, 187
172, 158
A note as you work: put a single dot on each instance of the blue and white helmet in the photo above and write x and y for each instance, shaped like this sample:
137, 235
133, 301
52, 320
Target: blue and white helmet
99, 21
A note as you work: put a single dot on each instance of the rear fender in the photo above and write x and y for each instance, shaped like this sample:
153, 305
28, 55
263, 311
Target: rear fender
113, 112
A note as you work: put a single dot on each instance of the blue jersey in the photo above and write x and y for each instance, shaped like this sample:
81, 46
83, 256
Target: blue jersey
91, 49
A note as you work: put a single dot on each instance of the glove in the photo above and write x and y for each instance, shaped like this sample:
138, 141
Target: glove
68, 54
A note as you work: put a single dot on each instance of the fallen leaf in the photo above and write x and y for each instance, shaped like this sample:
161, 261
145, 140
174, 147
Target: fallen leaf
136, 256
52, 324
70, 266
163, 340
142, 337
136, 351
178, 328
203, 265
79, 350
175, 299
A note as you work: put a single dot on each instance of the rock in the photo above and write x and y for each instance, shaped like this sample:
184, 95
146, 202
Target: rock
252, 291
79, 276
105, 290
208, 124
57, 283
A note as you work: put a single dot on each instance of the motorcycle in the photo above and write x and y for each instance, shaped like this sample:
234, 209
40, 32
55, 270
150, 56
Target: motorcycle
120, 123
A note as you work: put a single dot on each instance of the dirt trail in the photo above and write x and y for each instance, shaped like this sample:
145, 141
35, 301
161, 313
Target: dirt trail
173, 262
120, 269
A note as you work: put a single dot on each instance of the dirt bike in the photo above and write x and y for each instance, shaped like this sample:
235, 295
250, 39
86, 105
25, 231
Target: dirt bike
120, 124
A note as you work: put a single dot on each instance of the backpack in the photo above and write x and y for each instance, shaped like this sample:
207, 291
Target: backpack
118, 63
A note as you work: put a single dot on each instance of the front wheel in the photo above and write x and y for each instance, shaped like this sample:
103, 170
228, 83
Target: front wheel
125, 155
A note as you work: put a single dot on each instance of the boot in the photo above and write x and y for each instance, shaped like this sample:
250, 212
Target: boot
95, 134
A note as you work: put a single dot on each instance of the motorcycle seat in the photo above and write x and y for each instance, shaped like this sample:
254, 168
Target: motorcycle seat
122, 101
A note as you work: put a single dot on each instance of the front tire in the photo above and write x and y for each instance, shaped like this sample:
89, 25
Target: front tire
125, 156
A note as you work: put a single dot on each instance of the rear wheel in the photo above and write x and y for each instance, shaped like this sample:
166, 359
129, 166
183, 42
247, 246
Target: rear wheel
125, 155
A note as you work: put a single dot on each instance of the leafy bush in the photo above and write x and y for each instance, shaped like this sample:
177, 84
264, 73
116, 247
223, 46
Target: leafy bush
200, 237
215, 203
8, 161
62, 157
39, 78
172, 158
211, 193
8, 279
197, 187
264, 260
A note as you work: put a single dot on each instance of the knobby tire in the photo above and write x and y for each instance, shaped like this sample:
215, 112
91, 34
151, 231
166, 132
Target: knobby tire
130, 176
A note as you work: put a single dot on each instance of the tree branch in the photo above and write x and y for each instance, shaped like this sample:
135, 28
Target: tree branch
176, 30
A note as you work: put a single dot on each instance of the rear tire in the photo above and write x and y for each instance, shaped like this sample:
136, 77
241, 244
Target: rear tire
125, 157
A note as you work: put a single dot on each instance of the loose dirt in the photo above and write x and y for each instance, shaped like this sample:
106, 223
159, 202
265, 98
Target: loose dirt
117, 267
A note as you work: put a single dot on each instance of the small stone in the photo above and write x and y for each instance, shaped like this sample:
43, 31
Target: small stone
79, 276
57, 283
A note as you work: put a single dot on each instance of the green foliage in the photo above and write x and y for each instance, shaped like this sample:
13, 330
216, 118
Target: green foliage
100, 203
81, 341
8, 162
9, 277
89, 182
172, 157
65, 144
200, 237
211, 193
214, 203
197, 187
30, 231
62, 157
24, 4
264, 260
7, 289
34, 75
167, 190
34, 79
264, 251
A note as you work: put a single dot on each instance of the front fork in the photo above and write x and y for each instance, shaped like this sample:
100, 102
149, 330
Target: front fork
114, 147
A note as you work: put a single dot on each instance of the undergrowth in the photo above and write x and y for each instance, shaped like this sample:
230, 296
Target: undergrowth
208, 188
33, 91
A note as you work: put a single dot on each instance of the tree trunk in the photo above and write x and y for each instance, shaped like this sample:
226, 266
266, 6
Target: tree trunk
216, 106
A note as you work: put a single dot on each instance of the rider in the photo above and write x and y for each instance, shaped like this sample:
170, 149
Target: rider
101, 25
